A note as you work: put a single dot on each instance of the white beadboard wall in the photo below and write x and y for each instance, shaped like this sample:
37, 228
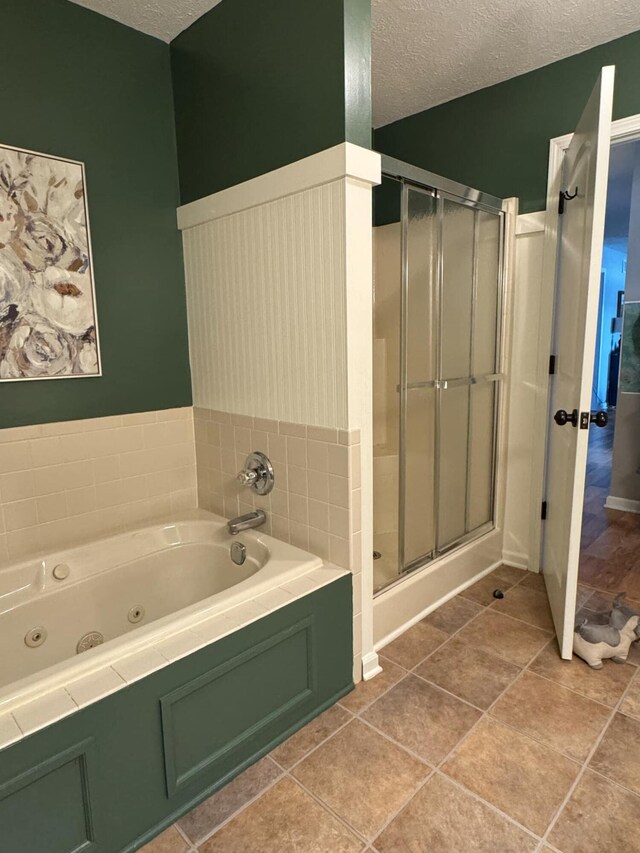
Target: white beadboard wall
279, 299
267, 327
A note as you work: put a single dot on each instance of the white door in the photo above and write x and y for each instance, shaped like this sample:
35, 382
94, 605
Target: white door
580, 237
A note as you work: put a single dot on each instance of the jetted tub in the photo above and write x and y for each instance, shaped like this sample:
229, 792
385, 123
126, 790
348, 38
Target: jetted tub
65, 614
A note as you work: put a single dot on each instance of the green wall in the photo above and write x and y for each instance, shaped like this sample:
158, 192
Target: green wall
78, 85
261, 84
497, 139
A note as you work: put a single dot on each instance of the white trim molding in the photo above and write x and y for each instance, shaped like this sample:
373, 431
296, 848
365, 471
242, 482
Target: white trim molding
370, 666
342, 161
622, 504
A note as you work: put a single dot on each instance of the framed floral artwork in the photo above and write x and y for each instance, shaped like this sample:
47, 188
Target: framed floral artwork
48, 324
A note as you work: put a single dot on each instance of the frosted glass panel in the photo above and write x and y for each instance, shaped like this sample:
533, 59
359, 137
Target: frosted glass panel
419, 533
452, 464
481, 425
436, 350
420, 355
486, 302
421, 271
457, 288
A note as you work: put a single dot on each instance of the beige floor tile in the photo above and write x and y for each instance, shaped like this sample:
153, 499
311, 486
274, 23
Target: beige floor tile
583, 595
631, 702
482, 591
453, 614
362, 776
414, 645
468, 672
422, 718
599, 817
550, 713
604, 685
618, 755
508, 638
367, 692
509, 574
308, 737
202, 820
442, 818
285, 819
527, 604
521, 777
533, 580
170, 841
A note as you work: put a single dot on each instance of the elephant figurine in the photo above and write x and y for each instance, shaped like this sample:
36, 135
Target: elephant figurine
596, 642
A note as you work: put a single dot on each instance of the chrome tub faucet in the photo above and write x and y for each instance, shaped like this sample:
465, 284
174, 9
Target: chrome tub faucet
248, 521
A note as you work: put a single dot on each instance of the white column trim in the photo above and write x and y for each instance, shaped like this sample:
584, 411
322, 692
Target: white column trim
344, 160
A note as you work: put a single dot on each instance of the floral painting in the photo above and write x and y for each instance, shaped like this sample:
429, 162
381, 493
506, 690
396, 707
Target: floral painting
48, 323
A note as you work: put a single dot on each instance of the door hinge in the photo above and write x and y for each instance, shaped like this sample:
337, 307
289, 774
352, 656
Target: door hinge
563, 197
543, 511
552, 365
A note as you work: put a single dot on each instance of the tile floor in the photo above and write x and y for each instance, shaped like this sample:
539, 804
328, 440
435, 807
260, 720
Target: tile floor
610, 549
476, 737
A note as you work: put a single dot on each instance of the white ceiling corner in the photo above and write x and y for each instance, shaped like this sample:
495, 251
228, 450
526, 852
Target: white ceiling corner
164, 19
426, 52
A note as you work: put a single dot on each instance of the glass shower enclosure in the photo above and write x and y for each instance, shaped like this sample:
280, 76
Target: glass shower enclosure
438, 282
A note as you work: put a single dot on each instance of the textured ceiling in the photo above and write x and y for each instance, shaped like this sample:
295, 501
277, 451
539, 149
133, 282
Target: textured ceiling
164, 19
426, 52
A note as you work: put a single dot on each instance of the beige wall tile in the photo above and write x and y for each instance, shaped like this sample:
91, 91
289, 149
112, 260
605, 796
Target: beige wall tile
15, 456
16, 486
64, 483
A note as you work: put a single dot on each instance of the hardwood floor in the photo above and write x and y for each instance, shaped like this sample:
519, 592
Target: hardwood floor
610, 549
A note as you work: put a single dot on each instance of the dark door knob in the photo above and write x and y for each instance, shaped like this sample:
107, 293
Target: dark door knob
562, 417
600, 419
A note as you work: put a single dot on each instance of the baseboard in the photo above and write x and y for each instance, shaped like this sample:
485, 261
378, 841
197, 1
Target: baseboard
434, 606
622, 504
370, 666
516, 559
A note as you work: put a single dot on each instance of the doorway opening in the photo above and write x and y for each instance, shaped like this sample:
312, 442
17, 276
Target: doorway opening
610, 542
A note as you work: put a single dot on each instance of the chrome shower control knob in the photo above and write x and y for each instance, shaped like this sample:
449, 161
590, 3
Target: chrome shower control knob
247, 477
257, 473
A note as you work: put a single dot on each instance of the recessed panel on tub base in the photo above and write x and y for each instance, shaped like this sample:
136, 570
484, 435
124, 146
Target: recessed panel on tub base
47, 809
113, 775
206, 719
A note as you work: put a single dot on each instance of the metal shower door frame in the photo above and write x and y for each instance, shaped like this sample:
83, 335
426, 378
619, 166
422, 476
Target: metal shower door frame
413, 178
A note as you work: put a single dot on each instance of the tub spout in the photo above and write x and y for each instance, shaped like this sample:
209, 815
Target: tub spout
246, 522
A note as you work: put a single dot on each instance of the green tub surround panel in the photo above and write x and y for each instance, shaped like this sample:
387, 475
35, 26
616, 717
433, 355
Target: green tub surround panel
78, 85
497, 139
113, 775
259, 85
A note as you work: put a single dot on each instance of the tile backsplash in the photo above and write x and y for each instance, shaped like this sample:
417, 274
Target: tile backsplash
315, 503
68, 482
316, 500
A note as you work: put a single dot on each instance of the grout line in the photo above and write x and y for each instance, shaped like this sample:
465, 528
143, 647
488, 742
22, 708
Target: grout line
585, 766
318, 745
229, 818
360, 835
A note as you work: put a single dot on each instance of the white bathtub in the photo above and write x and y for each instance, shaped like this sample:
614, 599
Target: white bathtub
180, 573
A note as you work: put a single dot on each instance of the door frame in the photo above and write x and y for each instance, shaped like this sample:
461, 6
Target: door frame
622, 130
